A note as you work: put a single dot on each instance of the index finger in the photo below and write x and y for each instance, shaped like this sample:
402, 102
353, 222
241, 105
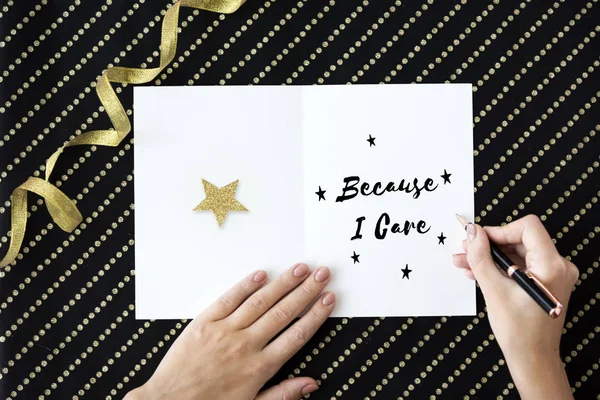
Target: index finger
528, 231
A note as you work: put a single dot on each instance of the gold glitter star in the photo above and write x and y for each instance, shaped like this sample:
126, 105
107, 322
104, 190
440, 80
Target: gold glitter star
220, 200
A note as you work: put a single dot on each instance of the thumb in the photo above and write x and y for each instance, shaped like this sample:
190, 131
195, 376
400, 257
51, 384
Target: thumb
480, 260
289, 389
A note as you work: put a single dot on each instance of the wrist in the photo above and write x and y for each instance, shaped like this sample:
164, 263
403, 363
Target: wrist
537, 378
137, 394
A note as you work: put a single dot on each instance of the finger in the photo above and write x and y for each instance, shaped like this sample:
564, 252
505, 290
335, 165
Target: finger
493, 234
480, 260
469, 274
460, 260
288, 308
514, 249
290, 389
228, 302
295, 337
528, 231
517, 248
265, 298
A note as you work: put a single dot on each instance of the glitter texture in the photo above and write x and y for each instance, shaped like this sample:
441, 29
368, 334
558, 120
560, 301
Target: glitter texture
220, 200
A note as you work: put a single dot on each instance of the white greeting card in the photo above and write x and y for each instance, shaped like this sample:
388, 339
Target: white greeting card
363, 179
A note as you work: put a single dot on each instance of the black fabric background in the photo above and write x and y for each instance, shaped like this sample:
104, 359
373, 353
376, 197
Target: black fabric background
458, 360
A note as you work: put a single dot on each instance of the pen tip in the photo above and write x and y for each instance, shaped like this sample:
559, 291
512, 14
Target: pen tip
462, 220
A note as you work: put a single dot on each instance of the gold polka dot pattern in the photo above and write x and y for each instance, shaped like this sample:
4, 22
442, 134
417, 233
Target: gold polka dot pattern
67, 326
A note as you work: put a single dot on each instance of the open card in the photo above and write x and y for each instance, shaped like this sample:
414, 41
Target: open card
363, 179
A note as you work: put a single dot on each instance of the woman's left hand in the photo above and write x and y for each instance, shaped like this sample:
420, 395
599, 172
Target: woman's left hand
228, 351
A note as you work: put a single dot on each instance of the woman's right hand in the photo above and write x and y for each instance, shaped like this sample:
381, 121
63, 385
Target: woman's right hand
528, 337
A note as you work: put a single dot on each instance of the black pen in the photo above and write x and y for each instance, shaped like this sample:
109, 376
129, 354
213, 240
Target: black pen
525, 279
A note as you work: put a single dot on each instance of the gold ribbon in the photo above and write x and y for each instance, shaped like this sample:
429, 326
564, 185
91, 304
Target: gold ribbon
62, 210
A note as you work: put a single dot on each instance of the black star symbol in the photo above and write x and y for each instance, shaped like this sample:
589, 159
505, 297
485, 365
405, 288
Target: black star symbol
441, 238
446, 177
355, 257
321, 193
405, 272
371, 141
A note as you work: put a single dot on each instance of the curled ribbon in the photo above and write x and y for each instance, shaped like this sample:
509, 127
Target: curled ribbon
61, 208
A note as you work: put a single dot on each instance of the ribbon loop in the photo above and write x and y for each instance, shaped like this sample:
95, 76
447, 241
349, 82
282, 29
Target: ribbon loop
61, 208
112, 106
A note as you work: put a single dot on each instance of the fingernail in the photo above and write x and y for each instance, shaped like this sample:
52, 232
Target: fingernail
471, 231
322, 274
328, 299
260, 276
300, 270
309, 389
